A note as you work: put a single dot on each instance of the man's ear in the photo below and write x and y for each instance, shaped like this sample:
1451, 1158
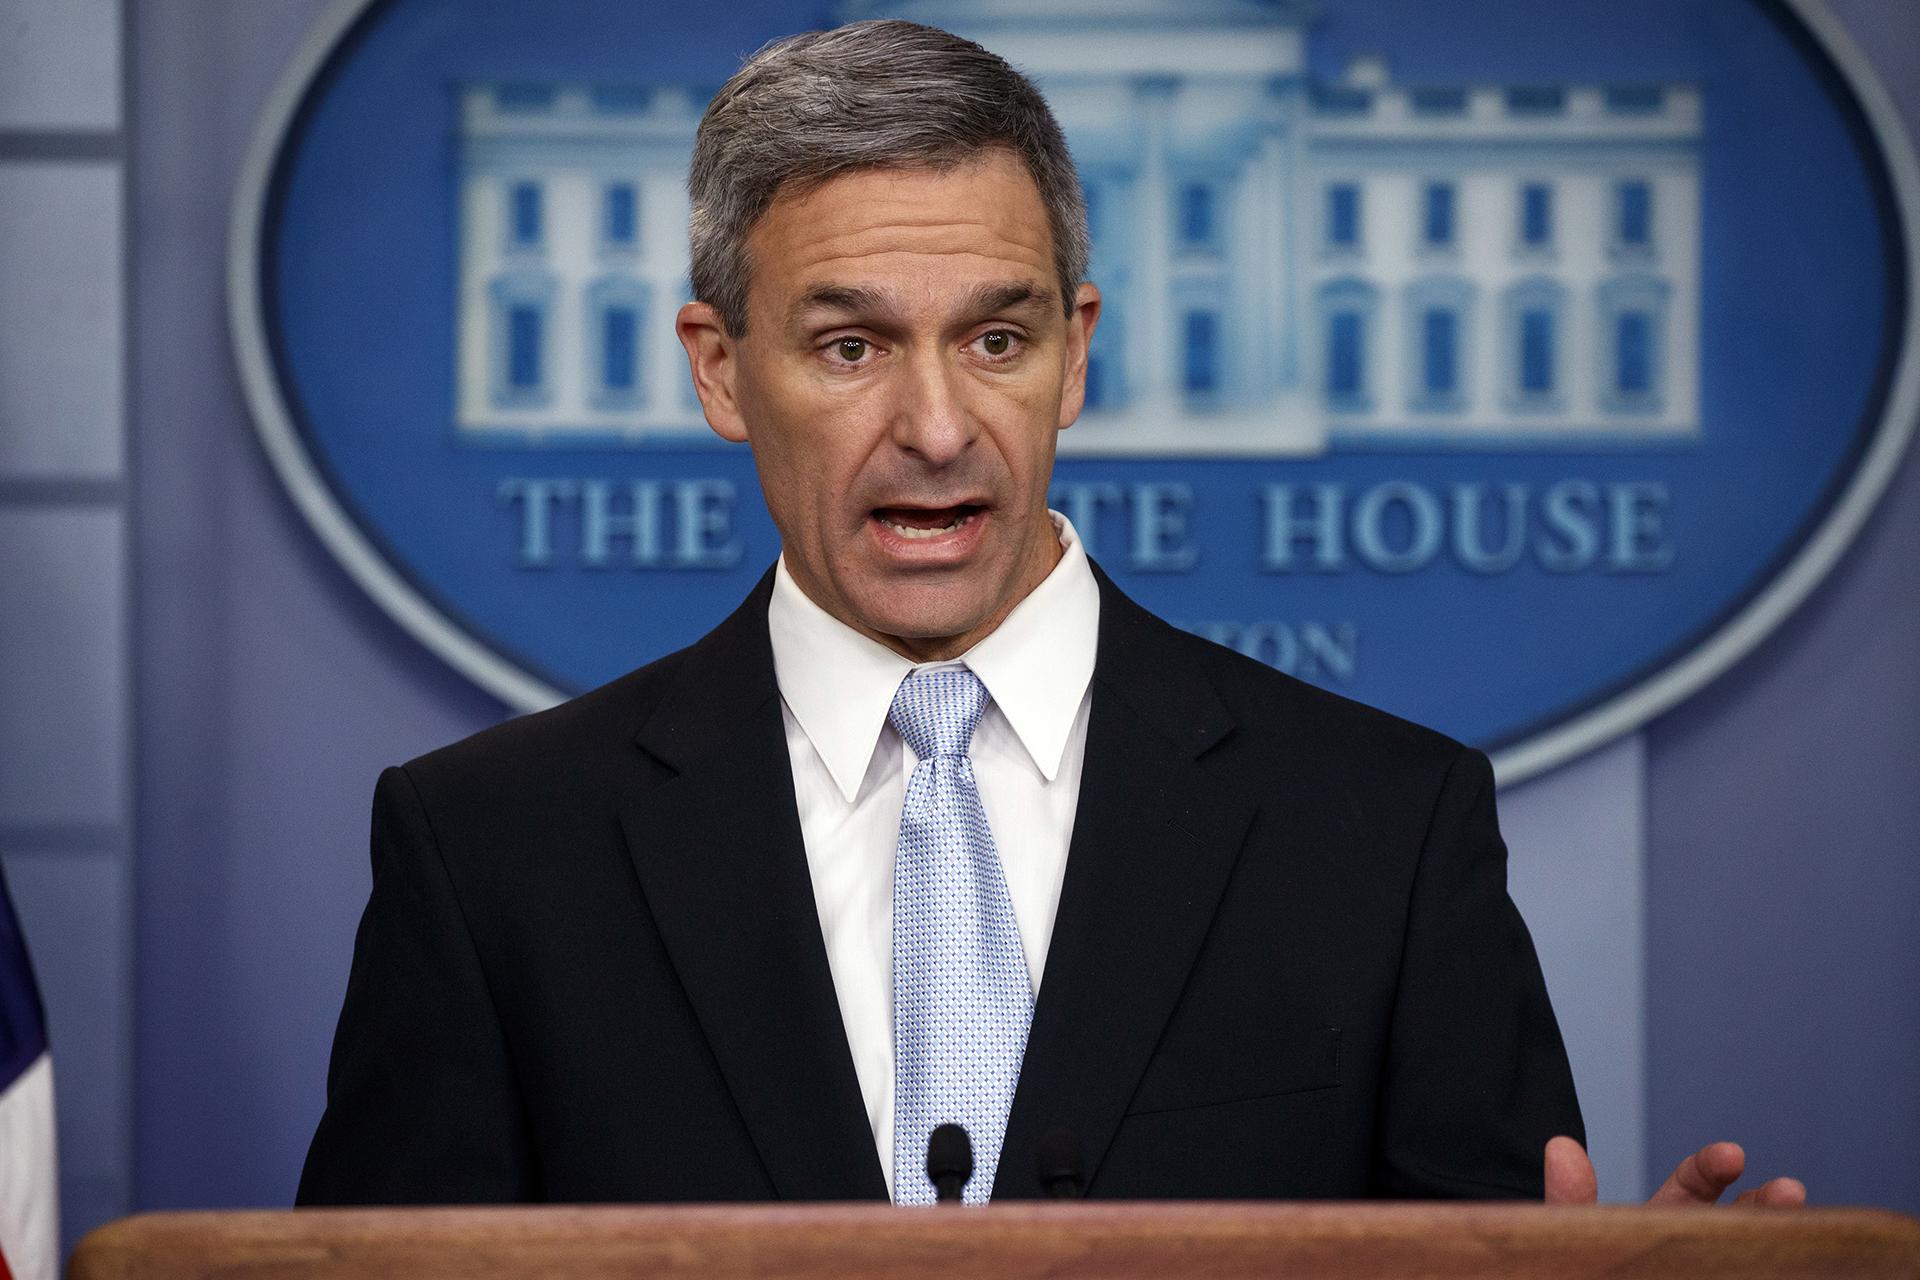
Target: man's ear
1086, 314
713, 356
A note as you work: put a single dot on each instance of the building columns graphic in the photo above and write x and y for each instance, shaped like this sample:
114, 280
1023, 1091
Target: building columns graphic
1151, 359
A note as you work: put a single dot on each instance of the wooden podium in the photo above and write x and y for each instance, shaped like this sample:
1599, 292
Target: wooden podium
1159, 1240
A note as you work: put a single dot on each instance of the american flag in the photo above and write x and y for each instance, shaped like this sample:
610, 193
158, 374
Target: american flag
29, 1185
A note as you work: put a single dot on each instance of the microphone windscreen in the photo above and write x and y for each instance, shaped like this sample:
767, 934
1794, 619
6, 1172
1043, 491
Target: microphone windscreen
949, 1160
1062, 1170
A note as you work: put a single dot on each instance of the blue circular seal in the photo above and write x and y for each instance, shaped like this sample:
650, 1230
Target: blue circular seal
1514, 372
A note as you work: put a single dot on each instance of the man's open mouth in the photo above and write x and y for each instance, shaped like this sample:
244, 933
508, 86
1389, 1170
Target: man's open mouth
926, 522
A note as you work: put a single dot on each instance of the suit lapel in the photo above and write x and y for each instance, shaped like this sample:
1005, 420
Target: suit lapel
1155, 838
720, 857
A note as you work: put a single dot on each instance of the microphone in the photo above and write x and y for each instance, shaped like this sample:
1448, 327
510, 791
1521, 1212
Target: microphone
1062, 1172
949, 1161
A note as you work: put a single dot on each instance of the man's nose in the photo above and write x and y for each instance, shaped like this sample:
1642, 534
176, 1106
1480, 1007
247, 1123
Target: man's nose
930, 417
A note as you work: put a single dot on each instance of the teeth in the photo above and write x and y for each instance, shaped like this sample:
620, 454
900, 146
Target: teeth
908, 531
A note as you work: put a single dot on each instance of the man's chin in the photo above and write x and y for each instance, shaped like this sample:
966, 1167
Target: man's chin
922, 632
927, 619
924, 609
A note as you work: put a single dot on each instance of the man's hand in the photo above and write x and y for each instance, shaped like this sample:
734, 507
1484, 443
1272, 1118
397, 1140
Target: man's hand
1700, 1179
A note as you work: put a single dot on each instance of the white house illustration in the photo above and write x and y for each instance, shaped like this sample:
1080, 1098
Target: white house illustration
1288, 264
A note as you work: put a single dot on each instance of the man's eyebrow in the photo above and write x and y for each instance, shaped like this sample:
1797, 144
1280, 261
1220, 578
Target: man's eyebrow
1012, 295
855, 299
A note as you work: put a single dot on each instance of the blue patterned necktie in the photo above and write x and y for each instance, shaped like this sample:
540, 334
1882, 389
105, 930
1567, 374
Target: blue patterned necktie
961, 1002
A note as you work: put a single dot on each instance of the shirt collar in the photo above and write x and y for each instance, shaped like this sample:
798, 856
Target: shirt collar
1037, 663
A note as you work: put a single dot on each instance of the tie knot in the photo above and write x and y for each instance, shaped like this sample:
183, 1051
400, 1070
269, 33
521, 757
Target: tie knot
937, 711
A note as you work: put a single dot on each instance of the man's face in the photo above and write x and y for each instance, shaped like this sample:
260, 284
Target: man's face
906, 366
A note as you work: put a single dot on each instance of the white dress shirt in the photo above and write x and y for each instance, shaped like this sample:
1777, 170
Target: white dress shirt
850, 771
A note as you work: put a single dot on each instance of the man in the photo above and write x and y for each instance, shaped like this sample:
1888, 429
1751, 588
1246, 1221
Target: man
938, 826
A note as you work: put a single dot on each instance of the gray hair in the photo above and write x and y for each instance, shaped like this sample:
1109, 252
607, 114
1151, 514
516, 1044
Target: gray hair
880, 94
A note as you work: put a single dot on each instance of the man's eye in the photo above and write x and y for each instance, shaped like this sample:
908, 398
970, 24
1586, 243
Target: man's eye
997, 343
850, 350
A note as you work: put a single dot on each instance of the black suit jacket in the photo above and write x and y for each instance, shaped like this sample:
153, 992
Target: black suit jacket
1284, 961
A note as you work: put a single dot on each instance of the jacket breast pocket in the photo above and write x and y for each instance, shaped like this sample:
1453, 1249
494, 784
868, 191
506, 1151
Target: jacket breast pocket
1258, 1063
